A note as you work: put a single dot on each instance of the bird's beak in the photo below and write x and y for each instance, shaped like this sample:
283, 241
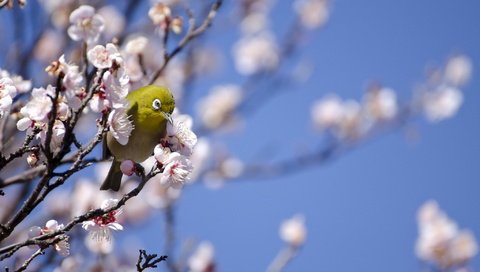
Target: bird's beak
168, 117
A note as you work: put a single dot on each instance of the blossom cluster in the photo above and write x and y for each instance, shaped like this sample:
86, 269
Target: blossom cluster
440, 241
350, 119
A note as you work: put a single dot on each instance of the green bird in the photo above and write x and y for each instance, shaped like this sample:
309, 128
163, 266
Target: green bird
150, 109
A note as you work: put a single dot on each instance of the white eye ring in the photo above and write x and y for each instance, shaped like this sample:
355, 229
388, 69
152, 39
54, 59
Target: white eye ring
157, 104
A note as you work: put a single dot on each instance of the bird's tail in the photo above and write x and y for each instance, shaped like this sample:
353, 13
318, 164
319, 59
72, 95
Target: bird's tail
114, 177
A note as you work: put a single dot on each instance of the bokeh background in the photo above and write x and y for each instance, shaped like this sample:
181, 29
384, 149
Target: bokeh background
360, 207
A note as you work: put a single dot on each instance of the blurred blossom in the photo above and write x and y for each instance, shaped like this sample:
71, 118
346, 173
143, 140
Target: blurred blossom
61, 196
137, 208
99, 246
85, 24
100, 226
254, 22
440, 241
381, 104
120, 125
158, 195
312, 13
202, 260
327, 112
442, 103
18, 82
7, 92
114, 23
86, 195
232, 167
136, 45
62, 246
218, 107
176, 25
200, 156
256, 53
59, 11
70, 264
103, 56
458, 70
293, 231
159, 13
49, 46
344, 118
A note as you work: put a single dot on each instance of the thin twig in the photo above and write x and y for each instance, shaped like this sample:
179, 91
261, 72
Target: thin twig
37, 253
191, 34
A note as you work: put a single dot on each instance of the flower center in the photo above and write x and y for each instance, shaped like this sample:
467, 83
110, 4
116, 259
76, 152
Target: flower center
105, 219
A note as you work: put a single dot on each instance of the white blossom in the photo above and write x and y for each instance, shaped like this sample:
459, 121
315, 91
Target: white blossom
293, 231
458, 70
35, 112
103, 57
176, 171
202, 259
440, 241
20, 84
72, 83
100, 227
85, 24
120, 125
62, 246
327, 112
180, 137
381, 104
136, 45
218, 107
256, 53
159, 13
7, 92
312, 13
114, 23
442, 103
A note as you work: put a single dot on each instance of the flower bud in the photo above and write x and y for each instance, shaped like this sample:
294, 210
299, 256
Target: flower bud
127, 167
32, 159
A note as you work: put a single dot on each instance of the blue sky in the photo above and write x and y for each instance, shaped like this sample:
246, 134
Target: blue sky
360, 208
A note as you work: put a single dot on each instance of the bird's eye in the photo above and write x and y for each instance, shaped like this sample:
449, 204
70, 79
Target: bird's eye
156, 104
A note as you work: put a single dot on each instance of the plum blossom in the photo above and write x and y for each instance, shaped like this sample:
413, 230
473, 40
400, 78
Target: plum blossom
72, 83
256, 53
7, 92
103, 57
293, 230
120, 125
35, 112
442, 103
344, 118
62, 246
327, 112
85, 24
312, 13
202, 259
381, 104
115, 22
20, 84
136, 45
159, 13
440, 241
180, 137
458, 70
177, 169
100, 227
58, 132
112, 93
218, 107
